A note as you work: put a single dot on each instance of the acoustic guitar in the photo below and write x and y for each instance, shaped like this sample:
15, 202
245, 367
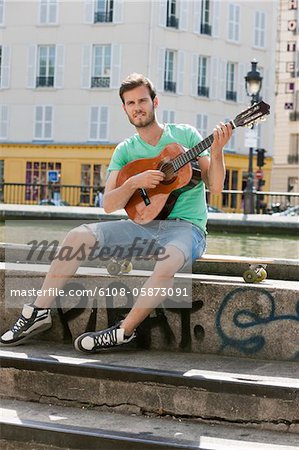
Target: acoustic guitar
145, 205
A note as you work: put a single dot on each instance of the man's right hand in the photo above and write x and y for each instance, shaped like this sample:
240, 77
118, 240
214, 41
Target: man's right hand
147, 180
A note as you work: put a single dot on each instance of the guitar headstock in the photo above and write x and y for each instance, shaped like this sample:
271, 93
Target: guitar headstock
254, 114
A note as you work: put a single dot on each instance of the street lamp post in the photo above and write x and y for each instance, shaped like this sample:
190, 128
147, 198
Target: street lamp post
253, 84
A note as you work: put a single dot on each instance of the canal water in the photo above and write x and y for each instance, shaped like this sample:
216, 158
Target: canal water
251, 245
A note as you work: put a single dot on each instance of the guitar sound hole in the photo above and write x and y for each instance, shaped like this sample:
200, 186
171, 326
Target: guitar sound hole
168, 169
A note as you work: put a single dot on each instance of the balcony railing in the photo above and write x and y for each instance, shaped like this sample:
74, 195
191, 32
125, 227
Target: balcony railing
205, 28
103, 17
100, 82
231, 95
294, 116
170, 86
293, 159
172, 22
203, 91
44, 81
76, 195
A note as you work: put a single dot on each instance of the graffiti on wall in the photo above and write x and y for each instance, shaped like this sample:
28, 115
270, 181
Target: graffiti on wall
241, 320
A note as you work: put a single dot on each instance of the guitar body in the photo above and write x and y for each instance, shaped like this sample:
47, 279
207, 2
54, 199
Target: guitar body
136, 208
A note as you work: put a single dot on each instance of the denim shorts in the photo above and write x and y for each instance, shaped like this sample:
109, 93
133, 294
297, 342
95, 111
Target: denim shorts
149, 238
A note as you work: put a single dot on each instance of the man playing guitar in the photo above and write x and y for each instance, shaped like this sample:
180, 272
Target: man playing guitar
187, 224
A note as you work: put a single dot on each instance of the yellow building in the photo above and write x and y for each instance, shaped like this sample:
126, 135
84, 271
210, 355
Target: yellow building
81, 171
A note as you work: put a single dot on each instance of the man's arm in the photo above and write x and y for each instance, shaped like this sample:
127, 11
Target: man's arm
117, 197
213, 168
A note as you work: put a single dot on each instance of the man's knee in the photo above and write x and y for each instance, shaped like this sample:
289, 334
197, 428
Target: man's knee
80, 235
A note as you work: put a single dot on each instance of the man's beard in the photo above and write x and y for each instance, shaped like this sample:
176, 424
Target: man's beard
145, 120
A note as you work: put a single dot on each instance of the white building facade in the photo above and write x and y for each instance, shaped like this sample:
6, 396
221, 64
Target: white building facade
285, 171
62, 63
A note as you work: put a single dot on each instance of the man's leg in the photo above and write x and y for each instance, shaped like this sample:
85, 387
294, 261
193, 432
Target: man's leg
162, 277
37, 318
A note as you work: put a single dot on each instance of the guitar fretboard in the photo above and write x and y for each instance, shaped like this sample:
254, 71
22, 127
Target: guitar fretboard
193, 152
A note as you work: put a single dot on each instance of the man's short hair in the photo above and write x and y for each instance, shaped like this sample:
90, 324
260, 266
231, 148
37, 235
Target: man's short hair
135, 80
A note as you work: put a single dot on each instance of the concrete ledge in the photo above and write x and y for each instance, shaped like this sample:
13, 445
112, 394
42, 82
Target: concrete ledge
228, 317
251, 223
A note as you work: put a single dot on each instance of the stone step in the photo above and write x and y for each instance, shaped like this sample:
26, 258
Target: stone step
83, 428
223, 315
208, 388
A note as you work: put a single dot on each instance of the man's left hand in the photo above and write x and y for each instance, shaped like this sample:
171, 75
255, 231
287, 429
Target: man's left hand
222, 134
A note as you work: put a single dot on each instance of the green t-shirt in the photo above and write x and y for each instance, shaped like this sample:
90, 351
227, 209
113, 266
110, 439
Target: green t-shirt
191, 204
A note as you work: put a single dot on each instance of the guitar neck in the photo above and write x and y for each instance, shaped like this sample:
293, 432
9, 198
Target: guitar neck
194, 152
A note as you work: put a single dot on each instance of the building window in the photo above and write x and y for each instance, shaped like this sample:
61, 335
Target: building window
101, 66
293, 156
171, 18
43, 122
259, 29
202, 83
46, 66
4, 66
231, 93
234, 23
1, 12
103, 11
98, 123
3, 122
202, 124
168, 116
48, 12
90, 181
205, 24
37, 186
170, 71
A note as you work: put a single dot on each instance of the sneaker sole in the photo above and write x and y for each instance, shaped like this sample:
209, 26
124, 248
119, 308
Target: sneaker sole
27, 337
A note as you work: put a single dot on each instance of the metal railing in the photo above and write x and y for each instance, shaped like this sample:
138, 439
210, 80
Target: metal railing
170, 86
98, 82
76, 195
103, 16
203, 91
44, 81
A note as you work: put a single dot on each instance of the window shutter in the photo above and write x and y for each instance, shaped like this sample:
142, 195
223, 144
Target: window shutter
180, 72
162, 13
214, 77
115, 66
5, 69
194, 75
222, 78
86, 66
59, 63
3, 121
48, 122
94, 114
197, 15
216, 18
241, 83
161, 69
89, 11
118, 11
43, 11
183, 19
38, 121
1, 12
103, 135
31, 72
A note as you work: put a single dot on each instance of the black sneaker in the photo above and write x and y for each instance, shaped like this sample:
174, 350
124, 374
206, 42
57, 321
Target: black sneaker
31, 321
99, 340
